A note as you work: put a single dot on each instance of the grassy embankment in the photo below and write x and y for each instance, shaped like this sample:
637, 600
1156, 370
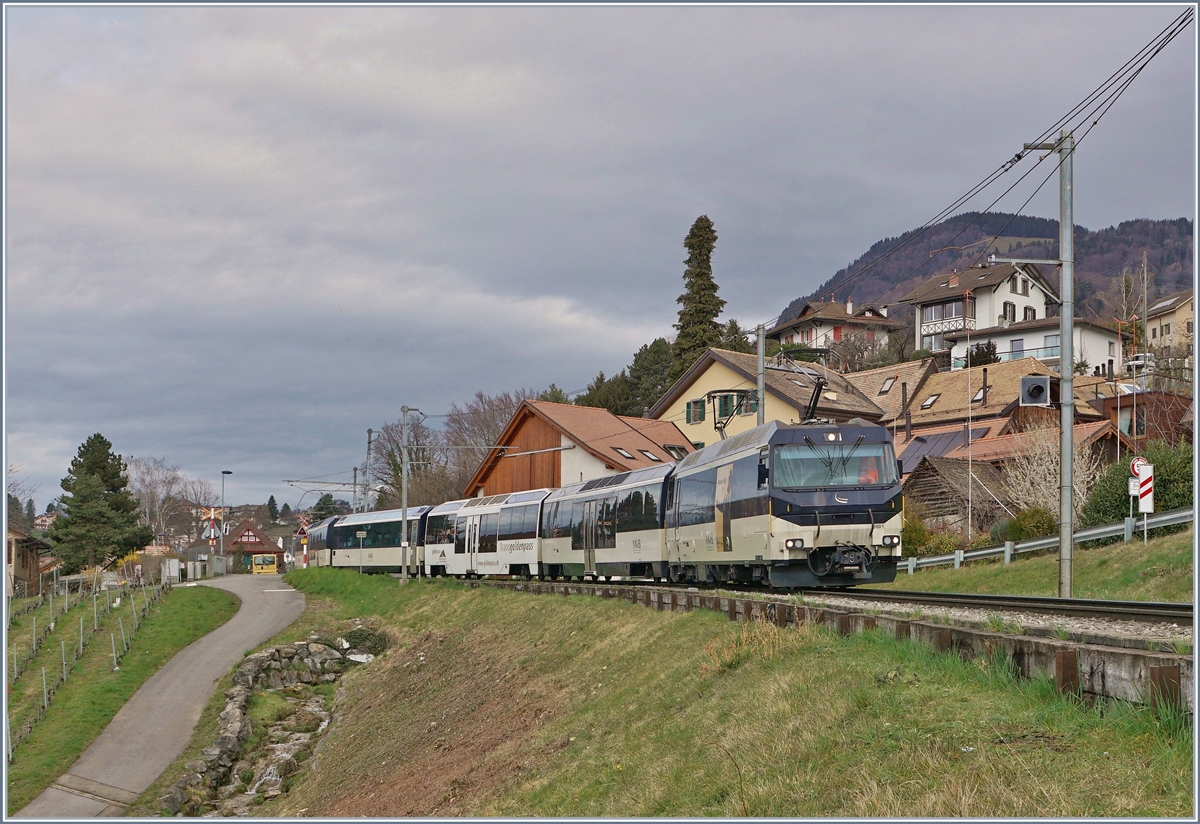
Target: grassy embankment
93, 693
499, 703
1161, 570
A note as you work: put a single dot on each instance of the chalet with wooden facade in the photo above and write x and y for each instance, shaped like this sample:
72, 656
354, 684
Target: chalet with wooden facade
245, 540
549, 445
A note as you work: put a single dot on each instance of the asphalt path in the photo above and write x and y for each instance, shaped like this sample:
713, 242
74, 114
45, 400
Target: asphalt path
155, 725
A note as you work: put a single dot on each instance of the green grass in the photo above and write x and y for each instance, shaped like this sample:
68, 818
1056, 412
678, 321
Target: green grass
1162, 570
94, 693
629, 712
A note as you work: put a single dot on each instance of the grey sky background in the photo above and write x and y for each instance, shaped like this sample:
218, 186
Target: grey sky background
236, 238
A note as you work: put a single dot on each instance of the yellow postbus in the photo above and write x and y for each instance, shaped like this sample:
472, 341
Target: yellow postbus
263, 565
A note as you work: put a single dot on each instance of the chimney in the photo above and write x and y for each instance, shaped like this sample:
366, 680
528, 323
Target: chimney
985, 386
907, 414
849, 306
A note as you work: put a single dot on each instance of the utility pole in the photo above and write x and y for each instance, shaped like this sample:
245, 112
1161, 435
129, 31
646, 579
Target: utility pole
762, 374
354, 490
1065, 147
404, 410
1066, 253
367, 474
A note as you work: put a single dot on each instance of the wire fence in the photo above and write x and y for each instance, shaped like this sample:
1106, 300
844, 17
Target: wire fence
123, 613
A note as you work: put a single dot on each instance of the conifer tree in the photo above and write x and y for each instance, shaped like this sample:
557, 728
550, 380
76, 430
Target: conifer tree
98, 517
698, 328
272, 509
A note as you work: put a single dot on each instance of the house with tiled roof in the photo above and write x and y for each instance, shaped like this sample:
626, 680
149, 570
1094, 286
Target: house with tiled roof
246, 540
721, 388
889, 387
554, 444
986, 392
823, 324
1101, 437
979, 298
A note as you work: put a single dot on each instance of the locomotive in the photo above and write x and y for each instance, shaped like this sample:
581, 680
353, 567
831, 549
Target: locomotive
815, 504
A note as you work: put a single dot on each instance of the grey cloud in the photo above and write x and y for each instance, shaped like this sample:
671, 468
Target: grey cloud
247, 234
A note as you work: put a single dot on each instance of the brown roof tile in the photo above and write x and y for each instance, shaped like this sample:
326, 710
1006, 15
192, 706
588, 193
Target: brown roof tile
870, 383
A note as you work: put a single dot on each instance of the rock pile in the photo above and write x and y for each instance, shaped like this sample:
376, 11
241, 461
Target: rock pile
307, 662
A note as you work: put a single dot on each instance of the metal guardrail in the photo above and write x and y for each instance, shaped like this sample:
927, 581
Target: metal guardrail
1113, 530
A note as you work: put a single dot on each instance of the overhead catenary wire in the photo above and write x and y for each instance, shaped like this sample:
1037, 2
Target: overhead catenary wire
1106, 93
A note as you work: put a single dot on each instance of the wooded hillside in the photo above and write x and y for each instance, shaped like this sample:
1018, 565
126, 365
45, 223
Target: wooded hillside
1100, 257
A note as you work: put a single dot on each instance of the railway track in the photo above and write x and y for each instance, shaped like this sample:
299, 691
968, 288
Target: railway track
1142, 611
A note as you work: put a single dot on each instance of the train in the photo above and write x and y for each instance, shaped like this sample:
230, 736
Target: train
784, 506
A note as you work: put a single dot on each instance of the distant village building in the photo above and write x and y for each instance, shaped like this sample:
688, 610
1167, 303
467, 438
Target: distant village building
1170, 324
822, 325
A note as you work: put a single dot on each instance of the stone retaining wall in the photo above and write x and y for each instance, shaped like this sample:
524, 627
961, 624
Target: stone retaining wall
306, 662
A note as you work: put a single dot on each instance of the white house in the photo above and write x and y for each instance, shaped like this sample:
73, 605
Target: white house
1094, 345
979, 298
822, 325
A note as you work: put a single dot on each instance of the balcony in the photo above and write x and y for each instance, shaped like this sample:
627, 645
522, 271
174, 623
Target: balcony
935, 327
1049, 355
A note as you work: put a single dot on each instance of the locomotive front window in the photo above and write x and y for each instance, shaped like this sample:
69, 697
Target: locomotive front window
820, 464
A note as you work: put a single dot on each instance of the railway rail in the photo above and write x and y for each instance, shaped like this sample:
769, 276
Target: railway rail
1141, 611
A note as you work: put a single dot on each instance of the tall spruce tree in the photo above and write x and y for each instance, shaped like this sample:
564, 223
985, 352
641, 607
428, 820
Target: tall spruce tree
98, 517
272, 509
698, 328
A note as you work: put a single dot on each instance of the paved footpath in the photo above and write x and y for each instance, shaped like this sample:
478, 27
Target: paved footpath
155, 725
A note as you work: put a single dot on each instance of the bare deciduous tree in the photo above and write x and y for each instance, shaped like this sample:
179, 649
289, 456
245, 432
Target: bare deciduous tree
430, 479
158, 486
19, 488
1031, 477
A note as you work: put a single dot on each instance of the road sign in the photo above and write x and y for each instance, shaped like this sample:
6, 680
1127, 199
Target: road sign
1133, 487
1146, 488
1135, 465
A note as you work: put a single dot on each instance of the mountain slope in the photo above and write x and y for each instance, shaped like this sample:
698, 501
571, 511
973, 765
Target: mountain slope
962, 240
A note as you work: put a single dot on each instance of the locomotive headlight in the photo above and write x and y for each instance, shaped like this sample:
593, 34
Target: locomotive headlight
891, 540
794, 543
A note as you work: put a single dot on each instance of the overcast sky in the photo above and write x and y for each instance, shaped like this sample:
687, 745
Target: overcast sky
236, 238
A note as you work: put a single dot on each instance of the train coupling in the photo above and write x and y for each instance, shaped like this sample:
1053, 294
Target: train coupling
854, 559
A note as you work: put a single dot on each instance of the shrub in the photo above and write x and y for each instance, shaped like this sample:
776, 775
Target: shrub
1034, 522
914, 533
939, 543
1109, 499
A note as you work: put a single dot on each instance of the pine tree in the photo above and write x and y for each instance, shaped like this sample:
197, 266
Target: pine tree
272, 509
98, 517
608, 393
734, 338
322, 509
698, 328
650, 375
30, 514
285, 512
553, 395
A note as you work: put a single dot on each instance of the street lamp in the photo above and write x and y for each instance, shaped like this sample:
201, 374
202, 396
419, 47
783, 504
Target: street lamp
224, 472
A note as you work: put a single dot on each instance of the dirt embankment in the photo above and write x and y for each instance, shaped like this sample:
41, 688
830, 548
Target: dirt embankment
431, 729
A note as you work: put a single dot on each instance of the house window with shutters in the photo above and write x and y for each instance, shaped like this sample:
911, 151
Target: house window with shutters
695, 411
725, 405
1010, 311
837, 333
749, 405
1030, 313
